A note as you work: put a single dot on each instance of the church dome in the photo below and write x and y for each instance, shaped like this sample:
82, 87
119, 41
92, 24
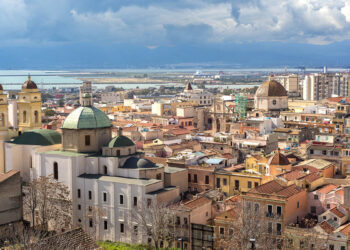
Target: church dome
271, 88
86, 118
120, 141
29, 84
134, 162
278, 159
42, 137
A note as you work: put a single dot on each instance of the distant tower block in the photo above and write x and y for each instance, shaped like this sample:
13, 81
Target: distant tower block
29, 106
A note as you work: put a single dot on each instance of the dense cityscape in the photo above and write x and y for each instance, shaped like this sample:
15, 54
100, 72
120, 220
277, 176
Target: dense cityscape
194, 160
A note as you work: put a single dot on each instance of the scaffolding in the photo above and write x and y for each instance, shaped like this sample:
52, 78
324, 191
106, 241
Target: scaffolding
241, 105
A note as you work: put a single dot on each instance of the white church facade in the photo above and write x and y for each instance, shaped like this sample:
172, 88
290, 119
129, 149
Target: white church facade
103, 174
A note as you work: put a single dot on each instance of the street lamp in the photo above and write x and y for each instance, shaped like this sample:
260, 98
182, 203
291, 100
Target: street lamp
252, 244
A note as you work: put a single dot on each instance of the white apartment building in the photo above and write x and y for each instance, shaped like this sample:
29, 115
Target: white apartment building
200, 96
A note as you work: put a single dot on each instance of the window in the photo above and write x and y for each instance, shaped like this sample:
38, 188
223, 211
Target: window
135, 230
87, 140
328, 206
269, 227
224, 181
313, 209
90, 195
149, 202
324, 152
256, 184
269, 211
189, 177
342, 248
90, 223
274, 102
36, 116
24, 116
195, 178
79, 193
324, 217
159, 176
105, 225
104, 196
331, 247
218, 182
118, 152
249, 184
55, 170
248, 205
122, 227
315, 197
79, 207
121, 199
279, 210
177, 220
105, 170
230, 231
335, 218
222, 230
185, 221
206, 179
236, 184
256, 207
311, 151
298, 204
279, 228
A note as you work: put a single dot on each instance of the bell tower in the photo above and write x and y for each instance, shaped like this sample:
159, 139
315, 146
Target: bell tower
29, 106
3, 112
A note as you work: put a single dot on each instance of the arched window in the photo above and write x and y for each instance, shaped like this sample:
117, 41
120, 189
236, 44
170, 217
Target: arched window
24, 116
2, 117
55, 170
129, 151
105, 170
36, 116
87, 140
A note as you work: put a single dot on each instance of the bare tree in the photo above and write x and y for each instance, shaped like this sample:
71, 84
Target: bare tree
46, 201
154, 220
93, 214
248, 227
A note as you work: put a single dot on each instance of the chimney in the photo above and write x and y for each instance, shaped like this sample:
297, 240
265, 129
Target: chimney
119, 131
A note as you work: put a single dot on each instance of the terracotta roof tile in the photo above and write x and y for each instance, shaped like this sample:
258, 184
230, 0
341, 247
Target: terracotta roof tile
157, 160
273, 187
336, 211
197, 202
326, 227
326, 189
346, 229
278, 159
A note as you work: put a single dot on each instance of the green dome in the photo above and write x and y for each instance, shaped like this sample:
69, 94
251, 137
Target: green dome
120, 141
42, 137
86, 118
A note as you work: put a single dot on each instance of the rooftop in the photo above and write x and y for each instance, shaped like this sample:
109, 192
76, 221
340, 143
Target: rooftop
123, 180
273, 187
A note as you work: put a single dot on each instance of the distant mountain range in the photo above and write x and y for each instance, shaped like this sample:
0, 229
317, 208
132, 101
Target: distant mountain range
246, 55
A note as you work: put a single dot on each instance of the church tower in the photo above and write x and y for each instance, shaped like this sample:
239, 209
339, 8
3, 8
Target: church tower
3, 112
29, 106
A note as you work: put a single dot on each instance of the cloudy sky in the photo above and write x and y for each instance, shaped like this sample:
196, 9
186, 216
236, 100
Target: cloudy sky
137, 33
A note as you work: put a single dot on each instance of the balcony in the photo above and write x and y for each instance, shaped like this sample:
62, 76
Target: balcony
270, 215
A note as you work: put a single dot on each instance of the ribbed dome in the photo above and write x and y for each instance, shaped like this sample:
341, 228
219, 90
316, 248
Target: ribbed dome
120, 141
29, 84
271, 88
86, 118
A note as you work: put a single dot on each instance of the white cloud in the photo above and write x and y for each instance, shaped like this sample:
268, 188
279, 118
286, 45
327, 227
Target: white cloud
302, 21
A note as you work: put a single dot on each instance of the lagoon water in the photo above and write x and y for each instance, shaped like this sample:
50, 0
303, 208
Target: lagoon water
13, 80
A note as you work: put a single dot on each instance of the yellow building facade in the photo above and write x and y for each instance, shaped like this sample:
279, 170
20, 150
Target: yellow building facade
29, 106
232, 183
